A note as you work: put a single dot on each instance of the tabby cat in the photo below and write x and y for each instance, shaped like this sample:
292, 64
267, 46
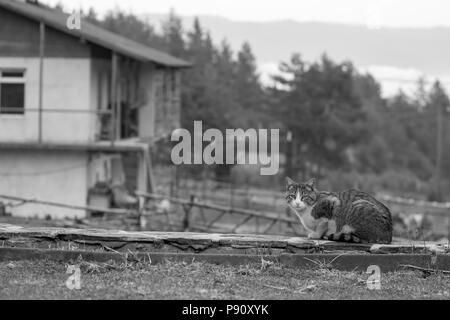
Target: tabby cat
351, 215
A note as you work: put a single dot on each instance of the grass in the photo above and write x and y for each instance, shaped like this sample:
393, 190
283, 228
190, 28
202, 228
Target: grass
177, 280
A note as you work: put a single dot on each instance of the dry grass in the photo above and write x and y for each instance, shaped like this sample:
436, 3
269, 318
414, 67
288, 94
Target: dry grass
178, 280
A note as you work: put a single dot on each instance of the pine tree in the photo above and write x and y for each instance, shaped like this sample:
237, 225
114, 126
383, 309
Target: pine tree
198, 96
439, 102
130, 26
249, 93
226, 103
172, 32
317, 103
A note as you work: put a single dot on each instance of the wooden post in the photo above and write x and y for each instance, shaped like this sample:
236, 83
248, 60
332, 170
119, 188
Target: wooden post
232, 186
204, 177
41, 77
288, 169
141, 209
118, 123
142, 170
172, 181
113, 97
439, 139
150, 176
177, 180
187, 211
448, 230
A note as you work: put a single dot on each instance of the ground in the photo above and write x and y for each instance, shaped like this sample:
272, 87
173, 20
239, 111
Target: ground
178, 280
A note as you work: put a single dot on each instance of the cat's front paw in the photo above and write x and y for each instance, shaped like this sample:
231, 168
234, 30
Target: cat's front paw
314, 235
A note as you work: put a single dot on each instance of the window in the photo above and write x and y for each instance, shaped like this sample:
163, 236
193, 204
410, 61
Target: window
12, 92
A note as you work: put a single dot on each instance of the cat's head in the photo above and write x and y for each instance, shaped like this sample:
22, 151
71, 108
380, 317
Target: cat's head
300, 196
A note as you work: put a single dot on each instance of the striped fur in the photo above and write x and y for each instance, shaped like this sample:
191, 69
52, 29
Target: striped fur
350, 215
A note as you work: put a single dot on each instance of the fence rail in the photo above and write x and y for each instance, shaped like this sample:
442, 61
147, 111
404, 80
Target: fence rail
196, 214
273, 199
210, 221
22, 201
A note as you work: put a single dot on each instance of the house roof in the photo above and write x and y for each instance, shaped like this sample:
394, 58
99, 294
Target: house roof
94, 34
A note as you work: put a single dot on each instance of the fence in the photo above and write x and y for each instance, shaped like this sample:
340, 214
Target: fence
409, 212
260, 211
203, 216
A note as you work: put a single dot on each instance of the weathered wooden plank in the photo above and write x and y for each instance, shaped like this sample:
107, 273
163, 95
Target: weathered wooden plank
11, 235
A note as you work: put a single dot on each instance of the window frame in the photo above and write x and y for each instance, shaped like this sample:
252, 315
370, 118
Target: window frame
13, 80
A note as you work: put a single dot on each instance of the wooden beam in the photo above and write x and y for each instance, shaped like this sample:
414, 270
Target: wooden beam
41, 78
119, 100
142, 174
67, 206
53, 243
89, 147
53, 110
253, 213
113, 97
439, 140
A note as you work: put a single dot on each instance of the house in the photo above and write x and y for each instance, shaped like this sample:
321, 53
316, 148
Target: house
75, 104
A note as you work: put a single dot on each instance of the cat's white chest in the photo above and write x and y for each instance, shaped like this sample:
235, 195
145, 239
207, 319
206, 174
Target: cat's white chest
307, 219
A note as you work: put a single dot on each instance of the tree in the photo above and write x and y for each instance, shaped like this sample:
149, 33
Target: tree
172, 33
198, 97
438, 101
247, 87
317, 103
130, 26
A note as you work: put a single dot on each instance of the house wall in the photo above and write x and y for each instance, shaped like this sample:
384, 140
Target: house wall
75, 78
19, 37
66, 82
66, 86
55, 176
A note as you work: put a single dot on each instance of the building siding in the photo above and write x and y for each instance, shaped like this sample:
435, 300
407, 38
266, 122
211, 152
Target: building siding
76, 77
51, 176
19, 36
66, 87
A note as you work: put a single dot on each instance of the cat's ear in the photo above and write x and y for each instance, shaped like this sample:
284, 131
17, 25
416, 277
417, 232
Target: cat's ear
289, 181
311, 182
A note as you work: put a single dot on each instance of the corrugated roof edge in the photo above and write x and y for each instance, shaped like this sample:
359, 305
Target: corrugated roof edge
94, 34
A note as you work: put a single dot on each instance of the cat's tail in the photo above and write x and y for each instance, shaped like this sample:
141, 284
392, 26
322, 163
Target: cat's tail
345, 237
352, 238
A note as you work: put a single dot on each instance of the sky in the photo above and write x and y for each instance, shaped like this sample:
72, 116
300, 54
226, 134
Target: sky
399, 13
373, 14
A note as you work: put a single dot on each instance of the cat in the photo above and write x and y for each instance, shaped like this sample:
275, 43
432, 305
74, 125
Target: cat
351, 215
